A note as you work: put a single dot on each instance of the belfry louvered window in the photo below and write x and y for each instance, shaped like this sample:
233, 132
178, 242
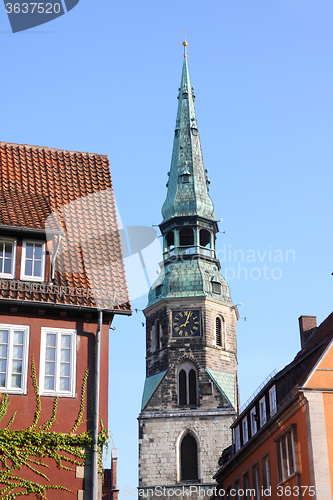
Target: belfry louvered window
187, 384
218, 331
157, 335
189, 458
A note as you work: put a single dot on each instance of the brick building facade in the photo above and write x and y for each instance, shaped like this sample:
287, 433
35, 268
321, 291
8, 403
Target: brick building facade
62, 280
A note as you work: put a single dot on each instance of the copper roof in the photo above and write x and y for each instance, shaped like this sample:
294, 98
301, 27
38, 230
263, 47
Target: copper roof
44, 188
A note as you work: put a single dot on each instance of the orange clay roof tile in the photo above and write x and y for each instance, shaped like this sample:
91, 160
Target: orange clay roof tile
36, 182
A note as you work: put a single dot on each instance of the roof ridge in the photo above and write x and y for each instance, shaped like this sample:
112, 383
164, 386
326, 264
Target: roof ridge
47, 148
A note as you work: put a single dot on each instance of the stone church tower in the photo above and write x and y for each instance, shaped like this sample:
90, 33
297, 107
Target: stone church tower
190, 396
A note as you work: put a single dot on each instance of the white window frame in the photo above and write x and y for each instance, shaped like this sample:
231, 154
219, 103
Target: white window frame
254, 422
237, 439
262, 411
272, 400
23, 389
10, 275
57, 392
27, 277
245, 427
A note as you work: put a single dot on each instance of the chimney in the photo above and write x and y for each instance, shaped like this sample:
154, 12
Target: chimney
114, 488
307, 324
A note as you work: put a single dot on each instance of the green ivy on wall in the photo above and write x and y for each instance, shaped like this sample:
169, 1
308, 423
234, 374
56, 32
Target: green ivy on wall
28, 447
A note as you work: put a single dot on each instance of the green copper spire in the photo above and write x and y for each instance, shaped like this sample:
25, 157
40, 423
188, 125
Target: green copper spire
190, 265
188, 184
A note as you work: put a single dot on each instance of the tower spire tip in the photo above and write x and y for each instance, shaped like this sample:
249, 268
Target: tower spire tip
185, 44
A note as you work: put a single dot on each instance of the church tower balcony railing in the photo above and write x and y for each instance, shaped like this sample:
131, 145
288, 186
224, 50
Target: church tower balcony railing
189, 250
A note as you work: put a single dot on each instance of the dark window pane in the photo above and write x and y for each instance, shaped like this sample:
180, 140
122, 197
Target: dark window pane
182, 388
204, 238
170, 239
193, 387
189, 458
186, 237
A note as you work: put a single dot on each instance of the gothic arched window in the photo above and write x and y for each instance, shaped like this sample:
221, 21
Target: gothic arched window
188, 458
219, 331
157, 335
187, 384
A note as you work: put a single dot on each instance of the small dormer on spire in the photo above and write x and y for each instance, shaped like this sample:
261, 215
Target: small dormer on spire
187, 186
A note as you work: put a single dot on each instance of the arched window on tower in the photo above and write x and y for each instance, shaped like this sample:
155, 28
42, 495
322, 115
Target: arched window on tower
170, 240
205, 238
219, 332
187, 384
188, 458
186, 237
157, 335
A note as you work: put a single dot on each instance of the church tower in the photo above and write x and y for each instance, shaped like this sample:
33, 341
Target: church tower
190, 396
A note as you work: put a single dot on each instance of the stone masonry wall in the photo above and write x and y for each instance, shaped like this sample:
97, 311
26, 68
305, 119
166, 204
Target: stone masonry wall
159, 447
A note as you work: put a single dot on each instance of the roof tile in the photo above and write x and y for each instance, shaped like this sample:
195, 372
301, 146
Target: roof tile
36, 182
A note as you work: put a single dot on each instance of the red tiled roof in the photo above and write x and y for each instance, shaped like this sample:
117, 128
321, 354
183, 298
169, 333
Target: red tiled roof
47, 188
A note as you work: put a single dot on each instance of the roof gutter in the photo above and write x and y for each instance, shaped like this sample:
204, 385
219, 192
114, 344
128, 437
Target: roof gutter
94, 483
59, 305
19, 229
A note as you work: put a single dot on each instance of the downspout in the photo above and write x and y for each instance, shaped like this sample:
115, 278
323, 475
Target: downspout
54, 256
94, 483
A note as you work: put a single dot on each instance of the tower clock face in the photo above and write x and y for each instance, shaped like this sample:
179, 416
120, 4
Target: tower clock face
186, 323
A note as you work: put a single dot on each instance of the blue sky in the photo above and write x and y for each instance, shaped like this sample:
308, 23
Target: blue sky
104, 77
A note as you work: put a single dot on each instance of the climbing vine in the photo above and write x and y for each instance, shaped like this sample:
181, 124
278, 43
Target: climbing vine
27, 448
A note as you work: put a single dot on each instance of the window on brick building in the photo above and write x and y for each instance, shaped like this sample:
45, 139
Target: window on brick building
237, 492
58, 362
266, 472
7, 258
254, 421
33, 261
245, 430
256, 481
237, 438
189, 458
272, 400
262, 411
246, 486
287, 454
14, 343
187, 384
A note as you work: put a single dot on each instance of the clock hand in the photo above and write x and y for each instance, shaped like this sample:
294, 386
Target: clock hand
187, 319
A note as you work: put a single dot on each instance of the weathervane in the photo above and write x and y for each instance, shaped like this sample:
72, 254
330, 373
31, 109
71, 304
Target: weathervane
185, 44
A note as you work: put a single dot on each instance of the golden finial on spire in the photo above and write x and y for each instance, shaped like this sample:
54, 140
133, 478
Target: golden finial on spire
185, 44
